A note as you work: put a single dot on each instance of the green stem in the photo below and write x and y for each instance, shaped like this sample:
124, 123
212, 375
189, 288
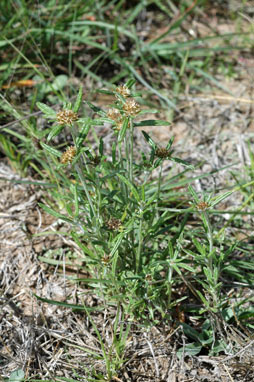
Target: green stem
159, 190
210, 238
131, 151
140, 244
127, 153
210, 231
121, 165
83, 181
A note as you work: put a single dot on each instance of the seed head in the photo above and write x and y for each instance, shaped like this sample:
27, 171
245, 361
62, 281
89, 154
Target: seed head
119, 124
105, 259
123, 90
114, 114
68, 155
114, 224
131, 108
202, 206
96, 160
66, 117
162, 153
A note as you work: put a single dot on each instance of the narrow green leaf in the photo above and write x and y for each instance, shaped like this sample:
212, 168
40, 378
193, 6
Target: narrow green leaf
193, 194
66, 305
83, 247
74, 190
55, 131
53, 261
107, 92
96, 109
101, 147
170, 143
131, 187
183, 162
15, 134
149, 140
219, 198
130, 83
48, 111
189, 349
114, 153
202, 298
60, 82
123, 130
78, 100
190, 332
83, 134
199, 247
52, 151
157, 162
186, 266
54, 213
152, 122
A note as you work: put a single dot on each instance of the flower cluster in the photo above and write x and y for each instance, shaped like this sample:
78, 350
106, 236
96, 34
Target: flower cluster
162, 153
114, 114
66, 117
96, 160
117, 117
114, 224
105, 259
123, 91
131, 108
202, 206
68, 155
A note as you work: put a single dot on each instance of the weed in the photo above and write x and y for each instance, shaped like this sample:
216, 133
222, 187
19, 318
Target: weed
132, 225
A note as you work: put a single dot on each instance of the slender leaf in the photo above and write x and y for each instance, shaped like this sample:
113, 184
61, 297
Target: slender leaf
54, 213
152, 122
131, 187
149, 140
55, 131
50, 149
48, 111
183, 162
96, 109
78, 100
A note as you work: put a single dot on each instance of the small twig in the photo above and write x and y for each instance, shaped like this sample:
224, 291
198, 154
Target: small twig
21, 119
238, 353
154, 358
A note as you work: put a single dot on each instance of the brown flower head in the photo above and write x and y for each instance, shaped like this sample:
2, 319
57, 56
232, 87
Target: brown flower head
114, 224
148, 277
96, 160
119, 124
114, 114
66, 117
162, 153
68, 155
123, 90
105, 259
131, 108
202, 206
